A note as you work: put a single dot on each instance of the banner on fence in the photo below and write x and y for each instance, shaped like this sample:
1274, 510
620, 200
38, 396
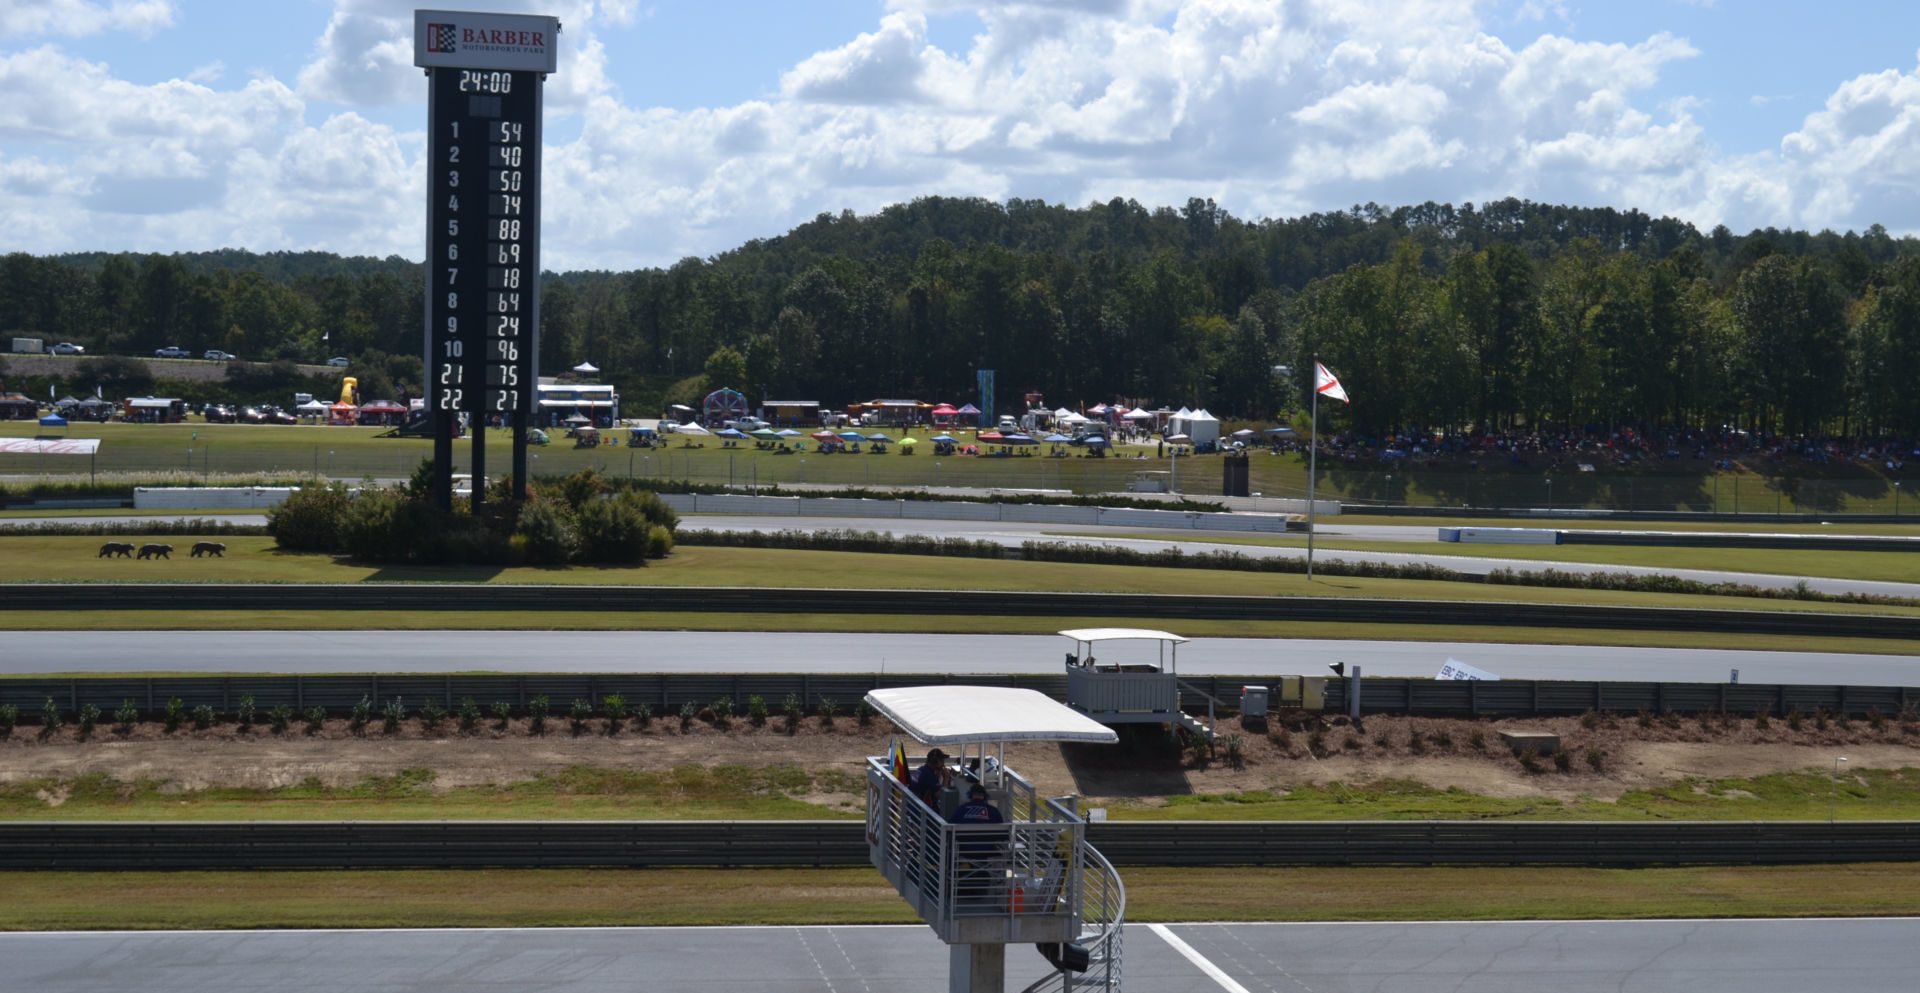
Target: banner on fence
1456, 669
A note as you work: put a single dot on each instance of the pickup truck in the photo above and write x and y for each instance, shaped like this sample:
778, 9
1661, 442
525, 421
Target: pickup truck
170, 352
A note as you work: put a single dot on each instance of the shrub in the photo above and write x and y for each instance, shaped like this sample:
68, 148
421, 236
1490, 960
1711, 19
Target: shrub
9, 719
1671, 720
174, 714
579, 714
1279, 735
1416, 742
469, 714
1794, 720
1590, 720
1562, 759
1820, 718
537, 714
863, 712
89, 716
1761, 721
1643, 719
316, 717
279, 718
502, 713
1236, 750
358, 717
1317, 741
688, 711
613, 532
392, 714
659, 542
127, 715
794, 710
616, 707
309, 519
722, 711
547, 533
1705, 719
756, 710
1876, 719
1354, 742
1530, 760
1443, 738
1596, 759
1381, 741
244, 713
202, 717
642, 715
827, 711
431, 714
50, 719
1477, 739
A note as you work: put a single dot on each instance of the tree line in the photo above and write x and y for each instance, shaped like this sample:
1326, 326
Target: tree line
1503, 316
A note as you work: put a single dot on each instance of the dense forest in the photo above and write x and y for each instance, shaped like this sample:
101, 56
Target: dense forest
1505, 316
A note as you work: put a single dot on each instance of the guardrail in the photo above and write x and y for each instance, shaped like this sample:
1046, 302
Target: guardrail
642, 844
665, 692
487, 597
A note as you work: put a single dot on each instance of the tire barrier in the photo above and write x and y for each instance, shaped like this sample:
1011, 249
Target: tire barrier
217, 597
735, 844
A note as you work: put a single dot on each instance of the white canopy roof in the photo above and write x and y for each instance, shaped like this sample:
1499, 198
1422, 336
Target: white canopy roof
692, 428
1200, 415
1115, 634
314, 407
965, 715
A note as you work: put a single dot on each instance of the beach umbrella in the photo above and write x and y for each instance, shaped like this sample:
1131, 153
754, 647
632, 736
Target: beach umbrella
586, 368
876, 436
787, 433
946, 439
825, 436
1244, 433
1095, 441
904, 442
766, 434
732, 433
993, 436
852, 436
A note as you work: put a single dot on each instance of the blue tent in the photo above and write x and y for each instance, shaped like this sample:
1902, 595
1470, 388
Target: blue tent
53, 421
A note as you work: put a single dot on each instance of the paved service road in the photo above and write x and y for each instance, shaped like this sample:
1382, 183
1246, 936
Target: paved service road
1789, 956
1015, 533
720, 651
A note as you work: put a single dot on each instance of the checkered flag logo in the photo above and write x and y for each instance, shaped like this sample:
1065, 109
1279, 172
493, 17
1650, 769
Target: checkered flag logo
440, 38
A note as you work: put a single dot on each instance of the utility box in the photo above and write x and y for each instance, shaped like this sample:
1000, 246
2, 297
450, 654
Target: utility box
1303, 692
1253, 700
1235, 479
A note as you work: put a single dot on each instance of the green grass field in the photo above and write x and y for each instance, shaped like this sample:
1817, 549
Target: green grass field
354, 452
57, 900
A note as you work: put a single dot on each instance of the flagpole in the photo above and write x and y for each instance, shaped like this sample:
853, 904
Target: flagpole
1313, 453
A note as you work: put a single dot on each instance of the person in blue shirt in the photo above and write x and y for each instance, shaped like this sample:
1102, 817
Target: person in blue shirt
976, 810
931, 778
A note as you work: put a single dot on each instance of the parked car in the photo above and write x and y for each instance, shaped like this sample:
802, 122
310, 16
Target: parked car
252, 415
337, 360
171, 352
746, 424
274, 415
218, 413
67, 348
218, 356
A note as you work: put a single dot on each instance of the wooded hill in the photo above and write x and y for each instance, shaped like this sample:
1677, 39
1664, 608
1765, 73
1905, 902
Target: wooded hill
1502, 315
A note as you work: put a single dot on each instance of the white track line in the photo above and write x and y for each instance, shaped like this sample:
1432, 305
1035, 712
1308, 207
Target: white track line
1187, 951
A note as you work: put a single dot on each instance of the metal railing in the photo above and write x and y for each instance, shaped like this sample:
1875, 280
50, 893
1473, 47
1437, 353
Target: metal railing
979, 883
1103, 914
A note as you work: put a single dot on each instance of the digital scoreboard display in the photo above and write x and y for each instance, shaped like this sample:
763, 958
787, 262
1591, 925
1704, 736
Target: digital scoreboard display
486, 73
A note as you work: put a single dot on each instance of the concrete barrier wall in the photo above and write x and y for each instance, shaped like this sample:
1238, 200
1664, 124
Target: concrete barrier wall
210, 497
688, 503
1501, 536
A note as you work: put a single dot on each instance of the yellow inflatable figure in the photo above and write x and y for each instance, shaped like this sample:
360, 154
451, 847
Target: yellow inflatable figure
348, 387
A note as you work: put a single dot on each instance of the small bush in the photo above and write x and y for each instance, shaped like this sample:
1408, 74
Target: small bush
1562, 759
1477, 740
174, 715
431, 714
1671, 720
127, 715
1644, 719
1530, 760
1820, 719
1590, 720
243, 714
722, 711
1876, 719
502, 714
308, 520
202, 717
579, 714
537, 714
547, 532
316, 717
659, 542
688, 711
89, 716
1416, 742
358, 717
642, 715
615, 707
794, 710
279, 718
756, 710
50, 719
1280, 736
1381, 741
1794, 720
1596, 759
1317, 741
1354, 742
1761, 721
469, 714
392, 714
827, 711
1705, 719
1443, 738
863, 712
1236, 750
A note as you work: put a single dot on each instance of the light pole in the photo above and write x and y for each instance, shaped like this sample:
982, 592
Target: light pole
1386, 491
1549, 494
1896, 498
1833, 787
329, 463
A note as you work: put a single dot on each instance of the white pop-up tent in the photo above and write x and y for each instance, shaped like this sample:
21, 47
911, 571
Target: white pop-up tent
1201, 426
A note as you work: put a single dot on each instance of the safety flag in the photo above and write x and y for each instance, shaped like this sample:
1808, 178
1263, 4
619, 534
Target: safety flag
900, 770
1326, 384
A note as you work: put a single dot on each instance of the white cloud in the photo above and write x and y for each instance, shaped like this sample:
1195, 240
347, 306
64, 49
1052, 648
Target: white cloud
76, 18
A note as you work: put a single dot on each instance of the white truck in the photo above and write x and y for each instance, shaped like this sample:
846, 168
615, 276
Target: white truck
28, 346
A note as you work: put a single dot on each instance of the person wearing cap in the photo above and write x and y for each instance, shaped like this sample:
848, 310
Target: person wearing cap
976, 810
931, 778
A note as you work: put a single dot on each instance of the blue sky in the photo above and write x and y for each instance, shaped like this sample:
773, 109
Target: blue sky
679, 128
